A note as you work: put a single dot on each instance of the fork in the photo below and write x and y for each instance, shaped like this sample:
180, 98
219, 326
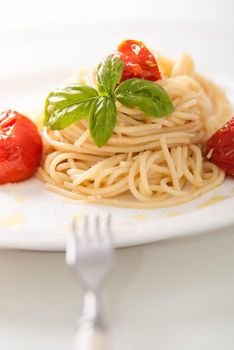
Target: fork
90, 254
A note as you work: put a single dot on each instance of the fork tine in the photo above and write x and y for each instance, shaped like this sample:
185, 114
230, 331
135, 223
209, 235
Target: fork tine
71, 246
83, 233
106, 232
98, 228
75, 230
94, 229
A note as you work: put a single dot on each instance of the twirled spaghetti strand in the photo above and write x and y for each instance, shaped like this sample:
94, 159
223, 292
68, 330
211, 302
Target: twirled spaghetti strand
148, 162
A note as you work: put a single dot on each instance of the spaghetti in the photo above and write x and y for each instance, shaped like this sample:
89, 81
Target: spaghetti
148, 162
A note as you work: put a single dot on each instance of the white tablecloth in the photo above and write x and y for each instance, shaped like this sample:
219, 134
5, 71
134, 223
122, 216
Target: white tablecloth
174, 294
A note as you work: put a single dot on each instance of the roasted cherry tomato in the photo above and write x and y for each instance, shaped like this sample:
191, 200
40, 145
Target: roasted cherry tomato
20, 147
139, 62
220, 148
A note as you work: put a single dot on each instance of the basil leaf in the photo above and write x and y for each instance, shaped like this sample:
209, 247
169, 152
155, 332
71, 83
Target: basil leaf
102, 120
149, 97
67, 104
109, 74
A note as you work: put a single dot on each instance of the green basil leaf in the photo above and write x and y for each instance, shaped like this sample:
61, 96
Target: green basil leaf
149, 97
102, 120
67, 104
109, 74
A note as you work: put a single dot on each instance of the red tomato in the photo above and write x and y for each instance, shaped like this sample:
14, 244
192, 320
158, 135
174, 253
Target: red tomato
20, 147
139, 62
221, 147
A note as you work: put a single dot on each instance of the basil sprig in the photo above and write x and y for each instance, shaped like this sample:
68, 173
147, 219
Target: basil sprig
149, 97
109, 74
68, 104
102, 120
73, 102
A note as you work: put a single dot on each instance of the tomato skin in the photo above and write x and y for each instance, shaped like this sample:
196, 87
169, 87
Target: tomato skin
221, 146
20, 147
139, 62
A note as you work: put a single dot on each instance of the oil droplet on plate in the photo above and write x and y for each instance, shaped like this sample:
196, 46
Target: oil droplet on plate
77, 218
21, 199
174, 213
125, 223
212, 201
16, 187
12, 220
140, 217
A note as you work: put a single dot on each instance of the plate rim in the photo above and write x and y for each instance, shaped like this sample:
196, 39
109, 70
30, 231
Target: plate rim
19, 238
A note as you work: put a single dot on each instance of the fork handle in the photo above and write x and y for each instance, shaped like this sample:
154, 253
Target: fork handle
91, 333
91, 338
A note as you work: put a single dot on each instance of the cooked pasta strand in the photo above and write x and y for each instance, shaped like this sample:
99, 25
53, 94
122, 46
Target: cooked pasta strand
148, 162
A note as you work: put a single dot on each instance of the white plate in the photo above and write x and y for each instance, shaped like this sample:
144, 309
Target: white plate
33, 218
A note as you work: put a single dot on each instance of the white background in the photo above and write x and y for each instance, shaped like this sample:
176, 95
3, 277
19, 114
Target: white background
27, 13
170, 295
